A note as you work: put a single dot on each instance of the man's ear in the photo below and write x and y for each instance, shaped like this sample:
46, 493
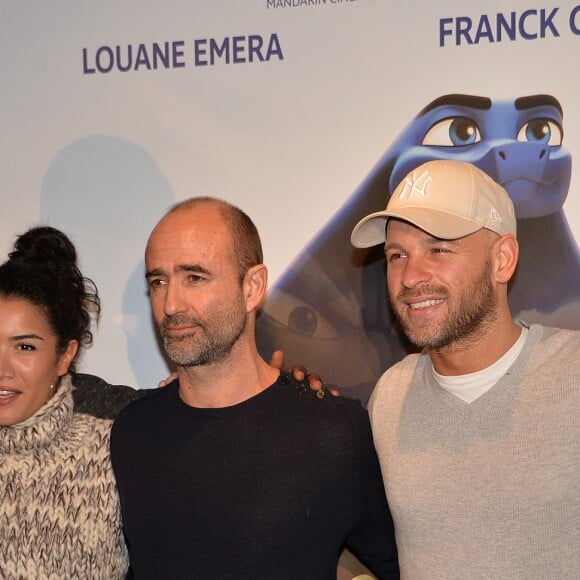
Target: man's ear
506, 251
255, 286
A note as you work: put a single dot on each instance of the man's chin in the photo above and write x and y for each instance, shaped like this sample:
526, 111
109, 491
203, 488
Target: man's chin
178, 356
423, 337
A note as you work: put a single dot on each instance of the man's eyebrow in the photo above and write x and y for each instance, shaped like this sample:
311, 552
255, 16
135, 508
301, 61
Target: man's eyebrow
391, 246
154, 272
426, 240
471, 101
195, 268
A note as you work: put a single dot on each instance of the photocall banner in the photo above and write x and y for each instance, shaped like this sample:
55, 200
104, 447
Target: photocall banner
306, 114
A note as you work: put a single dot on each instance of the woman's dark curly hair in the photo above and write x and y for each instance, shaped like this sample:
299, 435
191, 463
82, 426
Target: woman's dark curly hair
43, 270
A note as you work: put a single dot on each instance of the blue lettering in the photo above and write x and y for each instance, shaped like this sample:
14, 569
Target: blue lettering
238, 49
529, 25
162, 55
444, 30
200, 52
142, 58
86, 69
178, 54
573, 26
255, 43
523, 32
274, 48
298, 3
463, 25
547, 23
135, 57
124, 68
107, 51
502, 24
483, 30
215, 49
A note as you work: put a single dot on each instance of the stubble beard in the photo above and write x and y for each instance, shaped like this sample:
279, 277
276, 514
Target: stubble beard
475, 308
212, 341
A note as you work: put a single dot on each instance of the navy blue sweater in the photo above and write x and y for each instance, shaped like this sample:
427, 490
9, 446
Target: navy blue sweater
273, 487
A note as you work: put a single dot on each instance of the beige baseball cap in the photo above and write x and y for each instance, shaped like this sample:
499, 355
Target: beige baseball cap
447, 199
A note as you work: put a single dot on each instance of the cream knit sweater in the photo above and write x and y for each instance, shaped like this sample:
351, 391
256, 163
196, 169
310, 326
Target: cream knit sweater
59, 512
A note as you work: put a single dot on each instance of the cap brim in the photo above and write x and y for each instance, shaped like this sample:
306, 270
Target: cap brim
439, 224
371, 230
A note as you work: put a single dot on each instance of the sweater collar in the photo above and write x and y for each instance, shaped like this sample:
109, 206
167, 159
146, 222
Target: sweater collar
42, 428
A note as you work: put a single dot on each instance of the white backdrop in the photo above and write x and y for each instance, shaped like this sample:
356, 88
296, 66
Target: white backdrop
103, 154
288, 136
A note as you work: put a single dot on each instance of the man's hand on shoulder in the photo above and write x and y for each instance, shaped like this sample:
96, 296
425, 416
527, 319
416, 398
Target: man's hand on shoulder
299, 372
167, 380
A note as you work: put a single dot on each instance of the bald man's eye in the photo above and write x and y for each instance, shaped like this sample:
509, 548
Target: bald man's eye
155, 282
453, 132
542, 131
195, 278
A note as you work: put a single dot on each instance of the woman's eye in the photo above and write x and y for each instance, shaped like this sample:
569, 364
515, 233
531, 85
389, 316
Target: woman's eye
26, 347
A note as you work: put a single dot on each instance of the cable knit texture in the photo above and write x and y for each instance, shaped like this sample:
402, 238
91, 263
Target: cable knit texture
59, 513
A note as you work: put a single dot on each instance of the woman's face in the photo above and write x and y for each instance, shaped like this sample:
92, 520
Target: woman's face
29, 361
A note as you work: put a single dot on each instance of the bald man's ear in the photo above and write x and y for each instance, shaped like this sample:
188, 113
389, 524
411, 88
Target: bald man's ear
255, 286
506, 251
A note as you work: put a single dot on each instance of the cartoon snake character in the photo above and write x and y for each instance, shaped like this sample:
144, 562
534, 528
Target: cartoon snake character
330, 311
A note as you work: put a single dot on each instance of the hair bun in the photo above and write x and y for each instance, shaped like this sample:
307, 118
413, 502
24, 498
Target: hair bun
44, 244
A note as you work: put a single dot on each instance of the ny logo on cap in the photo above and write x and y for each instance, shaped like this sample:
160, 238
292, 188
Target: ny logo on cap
415, 185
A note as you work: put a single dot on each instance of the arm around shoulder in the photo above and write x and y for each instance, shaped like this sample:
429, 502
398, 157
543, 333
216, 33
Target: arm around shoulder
94, 396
